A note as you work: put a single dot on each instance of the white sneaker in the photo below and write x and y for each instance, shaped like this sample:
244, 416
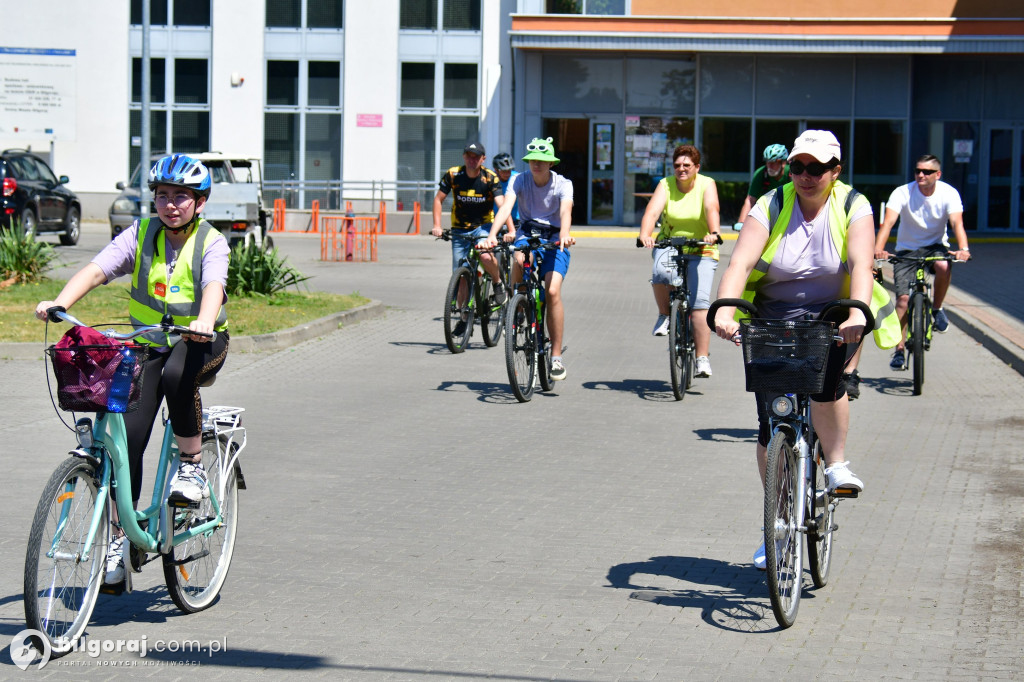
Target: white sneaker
557, 369
190, 482
703, 366
115, 562
661, 326
840, 476
760, 562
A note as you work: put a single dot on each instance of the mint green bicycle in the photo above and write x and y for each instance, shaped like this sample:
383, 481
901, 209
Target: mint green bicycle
65, 562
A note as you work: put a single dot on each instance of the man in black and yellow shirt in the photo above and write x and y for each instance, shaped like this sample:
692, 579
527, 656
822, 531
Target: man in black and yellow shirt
476, 191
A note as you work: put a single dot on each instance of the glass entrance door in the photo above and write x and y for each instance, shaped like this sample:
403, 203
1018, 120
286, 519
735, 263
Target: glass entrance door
604, 201
1003, 208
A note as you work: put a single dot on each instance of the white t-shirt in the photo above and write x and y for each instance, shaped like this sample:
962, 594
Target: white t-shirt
539, 203
923, 219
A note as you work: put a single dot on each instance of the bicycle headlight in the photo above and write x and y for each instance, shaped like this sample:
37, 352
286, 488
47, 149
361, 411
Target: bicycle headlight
83, 430
783, 406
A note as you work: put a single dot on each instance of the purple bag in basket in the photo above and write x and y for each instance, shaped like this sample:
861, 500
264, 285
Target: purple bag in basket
85, 374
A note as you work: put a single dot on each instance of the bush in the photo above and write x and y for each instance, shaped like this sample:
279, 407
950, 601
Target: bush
22, 258
252, 270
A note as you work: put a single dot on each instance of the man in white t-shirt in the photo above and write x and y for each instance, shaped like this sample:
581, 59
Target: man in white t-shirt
924, 208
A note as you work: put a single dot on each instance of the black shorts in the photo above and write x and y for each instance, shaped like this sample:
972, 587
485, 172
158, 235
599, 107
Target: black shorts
905, 273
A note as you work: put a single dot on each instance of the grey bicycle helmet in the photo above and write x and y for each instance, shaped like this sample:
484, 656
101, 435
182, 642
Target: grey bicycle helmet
504, 162
775, 152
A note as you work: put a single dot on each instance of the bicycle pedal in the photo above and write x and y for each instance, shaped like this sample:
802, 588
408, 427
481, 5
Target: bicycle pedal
117, 589
182, 503
850, 493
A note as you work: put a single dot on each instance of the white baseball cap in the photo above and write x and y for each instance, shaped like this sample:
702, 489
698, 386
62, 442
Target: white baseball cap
821, 144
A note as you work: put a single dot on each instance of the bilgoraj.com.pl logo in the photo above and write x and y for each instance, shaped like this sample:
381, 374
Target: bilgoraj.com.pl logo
31, 645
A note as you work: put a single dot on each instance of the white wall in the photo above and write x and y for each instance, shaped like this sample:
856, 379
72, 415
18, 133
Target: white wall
236, 113
370, 86
97, 157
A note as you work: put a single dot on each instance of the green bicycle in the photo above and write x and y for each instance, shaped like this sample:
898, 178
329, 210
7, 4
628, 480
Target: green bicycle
65, 563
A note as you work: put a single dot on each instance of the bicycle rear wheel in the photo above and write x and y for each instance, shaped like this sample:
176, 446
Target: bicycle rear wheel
678, 331
545, 352
917, 338
61, 585
520, 348
458, 309
821, 525
492, 316
783, 546
196, 569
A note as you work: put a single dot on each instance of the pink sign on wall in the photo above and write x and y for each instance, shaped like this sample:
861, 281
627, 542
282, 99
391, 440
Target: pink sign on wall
369, 120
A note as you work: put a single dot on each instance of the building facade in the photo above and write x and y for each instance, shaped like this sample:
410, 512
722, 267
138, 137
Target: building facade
328, 91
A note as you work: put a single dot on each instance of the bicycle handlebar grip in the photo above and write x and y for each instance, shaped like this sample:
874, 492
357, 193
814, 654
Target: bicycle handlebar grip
741, 303
51, 313
850, 303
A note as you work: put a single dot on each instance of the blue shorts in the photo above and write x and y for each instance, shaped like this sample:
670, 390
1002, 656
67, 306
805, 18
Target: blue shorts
550, 261
700, 276
463, 240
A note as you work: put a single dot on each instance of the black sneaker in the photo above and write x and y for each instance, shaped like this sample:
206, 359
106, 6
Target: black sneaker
460, 328
852, 384
899, 360
499, 296
940, 322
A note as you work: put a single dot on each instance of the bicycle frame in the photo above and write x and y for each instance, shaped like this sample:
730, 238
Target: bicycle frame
107, 444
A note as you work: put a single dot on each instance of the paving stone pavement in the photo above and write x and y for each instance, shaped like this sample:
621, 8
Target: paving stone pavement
406, 519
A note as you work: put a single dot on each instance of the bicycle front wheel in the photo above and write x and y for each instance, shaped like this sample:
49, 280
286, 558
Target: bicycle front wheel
458, 310
544, 353
678, 330
822, 523
61, 582
196, 569
782, 542
492, 315
917, 338
520, 349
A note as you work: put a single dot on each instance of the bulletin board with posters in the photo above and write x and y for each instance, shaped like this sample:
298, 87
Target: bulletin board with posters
649, 143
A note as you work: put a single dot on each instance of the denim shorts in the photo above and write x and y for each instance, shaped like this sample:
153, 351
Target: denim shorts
463, 240
554, 260
700, 276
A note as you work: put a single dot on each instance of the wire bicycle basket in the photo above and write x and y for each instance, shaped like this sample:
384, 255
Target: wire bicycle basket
98, 378
781, 356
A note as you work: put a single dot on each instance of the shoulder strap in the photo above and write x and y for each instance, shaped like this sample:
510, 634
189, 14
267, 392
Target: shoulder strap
850, 199
774, 206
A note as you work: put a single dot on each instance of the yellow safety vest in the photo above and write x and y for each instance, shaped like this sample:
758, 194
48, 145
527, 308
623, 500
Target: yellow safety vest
843, 201
154, 295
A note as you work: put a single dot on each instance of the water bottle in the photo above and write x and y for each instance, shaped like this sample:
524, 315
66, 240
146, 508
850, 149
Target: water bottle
121, 385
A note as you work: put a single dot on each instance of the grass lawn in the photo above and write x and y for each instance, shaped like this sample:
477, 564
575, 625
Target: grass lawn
109, 304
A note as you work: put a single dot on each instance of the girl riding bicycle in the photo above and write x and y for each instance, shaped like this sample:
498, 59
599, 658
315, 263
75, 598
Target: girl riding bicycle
792, 259
178, 264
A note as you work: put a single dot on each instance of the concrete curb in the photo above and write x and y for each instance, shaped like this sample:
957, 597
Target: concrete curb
994, 330
279, 340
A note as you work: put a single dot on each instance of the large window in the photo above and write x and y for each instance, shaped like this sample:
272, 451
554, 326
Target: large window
282, 83
190, 81
191, 12
456, 15
417, 87
322, 14
157, 12
460, 86
324, 84
157, 80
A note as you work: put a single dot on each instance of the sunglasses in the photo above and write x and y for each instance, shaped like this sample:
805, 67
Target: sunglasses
925, 171
814, 168
538, 147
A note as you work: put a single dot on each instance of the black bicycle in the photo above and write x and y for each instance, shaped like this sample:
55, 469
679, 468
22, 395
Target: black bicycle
682, 351
919, 313
527, 346
470, 294
785, 361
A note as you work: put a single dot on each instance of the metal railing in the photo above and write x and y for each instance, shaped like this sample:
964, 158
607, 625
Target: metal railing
365, 195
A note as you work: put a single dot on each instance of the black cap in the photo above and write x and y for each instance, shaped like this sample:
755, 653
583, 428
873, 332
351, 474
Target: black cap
474, 148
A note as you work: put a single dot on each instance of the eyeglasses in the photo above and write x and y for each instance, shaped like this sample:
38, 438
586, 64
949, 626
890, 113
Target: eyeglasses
925, 171
814, 168
179, 200
538, 147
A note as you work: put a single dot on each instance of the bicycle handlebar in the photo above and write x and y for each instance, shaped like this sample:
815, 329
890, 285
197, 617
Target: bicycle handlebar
918, 259
60, 314
749, 307
680, 243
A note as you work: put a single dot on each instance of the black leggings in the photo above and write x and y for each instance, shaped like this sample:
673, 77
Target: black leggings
176, 376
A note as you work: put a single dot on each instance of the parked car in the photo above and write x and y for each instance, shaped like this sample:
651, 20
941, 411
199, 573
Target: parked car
235, 206
35, 196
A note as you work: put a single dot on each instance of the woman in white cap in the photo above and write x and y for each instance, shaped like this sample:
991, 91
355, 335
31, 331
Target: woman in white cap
814, 244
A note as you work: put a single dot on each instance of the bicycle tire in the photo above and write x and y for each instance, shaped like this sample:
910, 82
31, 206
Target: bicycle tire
783, 546
196, 569
677, 350
544, 354
520, 349
690, 366
60, 591
492, 315
454, 311
917, 339
821, 527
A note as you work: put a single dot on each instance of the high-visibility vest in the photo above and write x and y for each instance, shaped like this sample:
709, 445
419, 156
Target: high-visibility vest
154, 295
842, 203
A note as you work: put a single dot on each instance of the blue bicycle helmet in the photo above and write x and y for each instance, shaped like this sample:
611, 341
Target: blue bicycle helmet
776, 152
181, 170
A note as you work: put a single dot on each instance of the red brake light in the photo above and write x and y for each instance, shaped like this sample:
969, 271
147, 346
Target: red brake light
239, 227
10, 184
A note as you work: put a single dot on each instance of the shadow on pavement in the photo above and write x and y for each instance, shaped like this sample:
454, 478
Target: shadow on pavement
486, 392
432, 348
734, 596
646, 389
727, 435
900, 387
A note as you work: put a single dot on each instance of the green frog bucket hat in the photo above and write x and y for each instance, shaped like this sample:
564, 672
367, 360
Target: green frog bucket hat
541, 150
